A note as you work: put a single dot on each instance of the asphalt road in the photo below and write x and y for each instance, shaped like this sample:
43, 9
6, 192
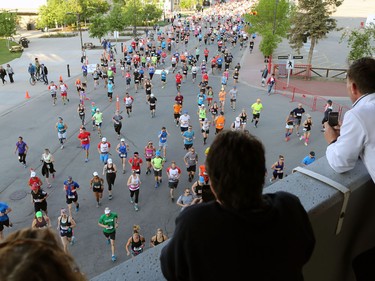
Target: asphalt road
35, 119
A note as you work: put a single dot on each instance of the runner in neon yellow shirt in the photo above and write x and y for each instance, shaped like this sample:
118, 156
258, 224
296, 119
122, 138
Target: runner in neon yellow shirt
257, 108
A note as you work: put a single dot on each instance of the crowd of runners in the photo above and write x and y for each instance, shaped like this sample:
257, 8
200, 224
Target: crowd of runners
214, 35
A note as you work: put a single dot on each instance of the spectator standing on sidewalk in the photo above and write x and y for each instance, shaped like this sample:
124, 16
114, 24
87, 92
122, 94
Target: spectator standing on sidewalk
10, 72
264, 75
271, 82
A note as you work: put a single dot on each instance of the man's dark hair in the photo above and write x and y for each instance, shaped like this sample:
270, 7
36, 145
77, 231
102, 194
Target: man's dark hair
362, 72
236, 168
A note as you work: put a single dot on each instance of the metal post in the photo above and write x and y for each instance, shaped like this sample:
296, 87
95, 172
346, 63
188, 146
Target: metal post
68, 68
80, 30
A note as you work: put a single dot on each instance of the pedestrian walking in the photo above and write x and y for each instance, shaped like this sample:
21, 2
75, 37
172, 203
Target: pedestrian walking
61, 128
271, 82
110, 170
97, 186
71, 194
21, 148
65, 225
264, 75
3, 73
48, 166
134, 184
10, 72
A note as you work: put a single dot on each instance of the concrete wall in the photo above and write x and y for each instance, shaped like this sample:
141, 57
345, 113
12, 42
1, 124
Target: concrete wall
331, 260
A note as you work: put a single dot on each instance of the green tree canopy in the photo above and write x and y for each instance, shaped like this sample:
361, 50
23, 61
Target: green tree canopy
312, 20
361, 42
150, 13
271, 19
115, 19
8, 23
98, 27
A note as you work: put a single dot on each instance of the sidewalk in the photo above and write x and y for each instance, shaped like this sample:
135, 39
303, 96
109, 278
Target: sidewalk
252, 64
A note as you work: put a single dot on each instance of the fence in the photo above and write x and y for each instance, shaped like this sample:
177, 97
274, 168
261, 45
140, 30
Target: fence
314, 102
306, 71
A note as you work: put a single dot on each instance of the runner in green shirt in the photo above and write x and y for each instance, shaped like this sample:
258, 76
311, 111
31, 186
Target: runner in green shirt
109, 222
157, 164
98, 119
256, 107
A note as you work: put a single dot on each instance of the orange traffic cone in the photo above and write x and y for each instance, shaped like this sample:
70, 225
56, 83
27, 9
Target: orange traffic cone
61, 78
27, 95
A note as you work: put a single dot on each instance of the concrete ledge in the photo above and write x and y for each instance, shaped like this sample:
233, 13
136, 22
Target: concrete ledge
333, 253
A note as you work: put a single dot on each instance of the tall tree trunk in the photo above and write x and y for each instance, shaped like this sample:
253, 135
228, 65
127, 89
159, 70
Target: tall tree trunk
309, 58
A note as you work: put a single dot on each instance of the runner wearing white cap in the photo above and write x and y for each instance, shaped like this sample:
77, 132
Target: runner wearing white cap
109, 222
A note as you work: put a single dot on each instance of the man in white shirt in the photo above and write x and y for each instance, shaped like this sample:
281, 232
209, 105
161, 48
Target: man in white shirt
356, 137
184, 122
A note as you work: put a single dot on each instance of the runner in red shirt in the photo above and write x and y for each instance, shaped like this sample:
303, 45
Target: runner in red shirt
34, 180
206, 52
136, 163
178, 80
84, 137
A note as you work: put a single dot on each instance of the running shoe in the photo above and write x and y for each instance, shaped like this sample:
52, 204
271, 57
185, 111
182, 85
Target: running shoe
50, 185
114, 258
110, 197
131, 200
136, 207
86, 160
73, 241
108, 241
123, 171
77, 208
156, 184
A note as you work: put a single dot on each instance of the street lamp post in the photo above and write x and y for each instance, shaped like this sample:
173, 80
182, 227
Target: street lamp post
79, 26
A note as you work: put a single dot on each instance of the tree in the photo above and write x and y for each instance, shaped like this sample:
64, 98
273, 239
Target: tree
312, 20
270, 19
132, 12
360, 41
150, 13
115, 19
8, 25
188, 4
98, 27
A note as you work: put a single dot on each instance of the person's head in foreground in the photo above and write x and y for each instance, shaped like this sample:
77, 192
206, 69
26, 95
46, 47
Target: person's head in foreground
35, 255
233, 171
